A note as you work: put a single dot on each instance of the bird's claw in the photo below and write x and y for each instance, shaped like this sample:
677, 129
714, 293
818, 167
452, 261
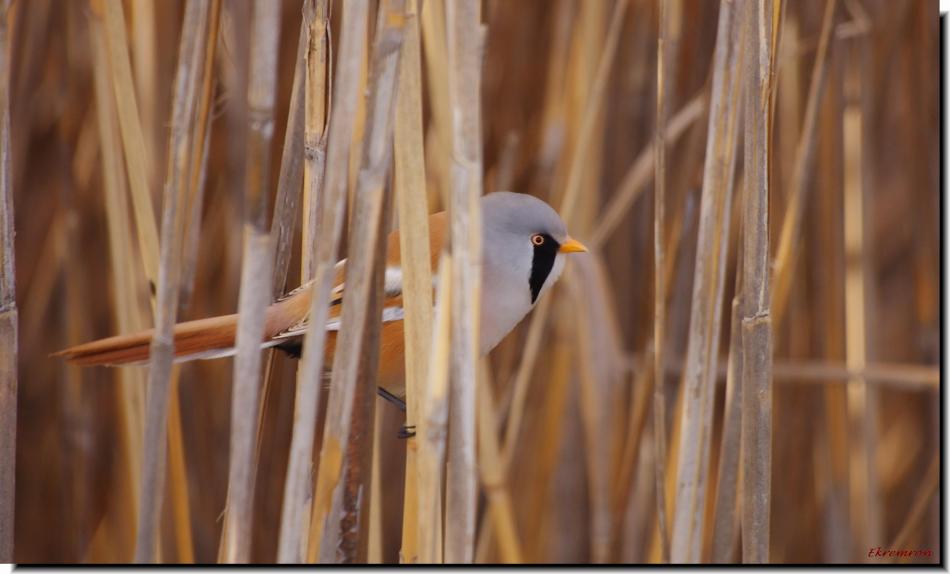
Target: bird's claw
407, 431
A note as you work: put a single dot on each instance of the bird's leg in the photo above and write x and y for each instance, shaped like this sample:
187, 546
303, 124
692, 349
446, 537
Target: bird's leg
407, 431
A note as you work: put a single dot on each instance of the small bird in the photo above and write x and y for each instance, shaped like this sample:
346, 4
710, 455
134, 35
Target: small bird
523, 245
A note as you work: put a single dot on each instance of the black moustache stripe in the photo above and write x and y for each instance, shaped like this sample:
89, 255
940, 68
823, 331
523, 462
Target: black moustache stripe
541, 264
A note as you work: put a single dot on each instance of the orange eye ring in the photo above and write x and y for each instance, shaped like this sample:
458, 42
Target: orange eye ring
537, 239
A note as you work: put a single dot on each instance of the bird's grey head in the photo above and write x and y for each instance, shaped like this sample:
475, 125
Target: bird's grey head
523, 247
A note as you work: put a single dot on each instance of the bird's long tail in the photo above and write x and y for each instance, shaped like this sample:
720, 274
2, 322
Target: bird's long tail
201, 339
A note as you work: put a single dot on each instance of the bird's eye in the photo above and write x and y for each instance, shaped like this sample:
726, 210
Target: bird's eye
537, 239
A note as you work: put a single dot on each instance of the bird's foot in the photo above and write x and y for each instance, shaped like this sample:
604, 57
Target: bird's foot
407, 431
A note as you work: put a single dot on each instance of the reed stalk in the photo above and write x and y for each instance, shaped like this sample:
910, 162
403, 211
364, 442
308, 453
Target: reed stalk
162, 348
291, 542
415, 258
706, 311
659, 288
464, 39
256, 272
756, 317
297, 542
133, 138
8, 306
342, 476
433, 428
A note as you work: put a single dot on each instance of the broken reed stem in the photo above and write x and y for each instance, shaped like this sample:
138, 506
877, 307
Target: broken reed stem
296, 541
789, 239
359, 327
659, 289
433, 424
755, 302
162, 349
8, 307
290, 178
256, 274
133, 139
705, 317
298, 486
415, 257
465, 42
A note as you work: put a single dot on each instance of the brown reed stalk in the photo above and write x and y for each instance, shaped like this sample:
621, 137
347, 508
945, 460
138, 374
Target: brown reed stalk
787, 252
133, 139
296, 542
130, 314
464, 38
862, 400
415, 257
354, 365
659, 288
256, 273
756, 318
162, 346
291, 542
199, 161
8, 307
145, 63
290, 178
706, 309
433, 424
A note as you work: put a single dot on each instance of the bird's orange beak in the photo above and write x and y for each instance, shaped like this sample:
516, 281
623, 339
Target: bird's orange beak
572, 246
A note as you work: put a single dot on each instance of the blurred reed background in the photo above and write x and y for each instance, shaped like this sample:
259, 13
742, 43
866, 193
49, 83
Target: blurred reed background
798, 171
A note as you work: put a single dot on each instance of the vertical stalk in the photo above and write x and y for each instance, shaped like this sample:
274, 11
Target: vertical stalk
256, 270
464, 41
659, 289
162, 350
415, 257
756, 315
702, 352
8, 308
291, 546
348, 434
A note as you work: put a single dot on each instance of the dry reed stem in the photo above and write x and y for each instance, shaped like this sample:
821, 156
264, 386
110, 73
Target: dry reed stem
133, 139
493, 472
290, 178
318, 62
199, 161
256, 273
464, 40
726, 518
787, 253
706, 310
659, 289
360, 326
162, 346
8, 307
412, 208
145, 63
297, 490
130, 316
433, 423
861, 399
296, 542
756, 318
